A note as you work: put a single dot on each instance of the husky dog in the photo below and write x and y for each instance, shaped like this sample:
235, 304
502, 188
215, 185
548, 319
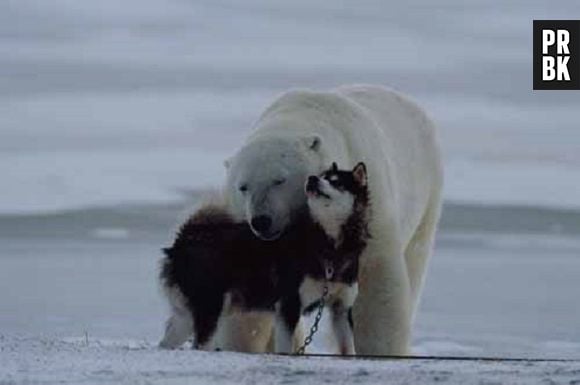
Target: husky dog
217, 265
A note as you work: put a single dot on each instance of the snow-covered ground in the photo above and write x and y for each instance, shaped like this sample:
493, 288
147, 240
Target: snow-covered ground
112, 114
86, 361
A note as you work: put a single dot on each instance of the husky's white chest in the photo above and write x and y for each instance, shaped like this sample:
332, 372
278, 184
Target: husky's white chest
311, 290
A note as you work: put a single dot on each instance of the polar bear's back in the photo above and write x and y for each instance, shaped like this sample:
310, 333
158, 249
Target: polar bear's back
409, 138
388, 106
374, 124
352, 112
401, 119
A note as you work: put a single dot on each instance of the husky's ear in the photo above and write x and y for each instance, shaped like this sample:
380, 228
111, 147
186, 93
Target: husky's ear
227, 163
313, 142
359, 173
334, 167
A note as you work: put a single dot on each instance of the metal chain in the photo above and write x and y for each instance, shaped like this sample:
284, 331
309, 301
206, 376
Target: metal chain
314, 328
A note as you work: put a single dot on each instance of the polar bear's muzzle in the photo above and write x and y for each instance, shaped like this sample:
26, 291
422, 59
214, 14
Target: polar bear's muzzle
263, 227
261, 223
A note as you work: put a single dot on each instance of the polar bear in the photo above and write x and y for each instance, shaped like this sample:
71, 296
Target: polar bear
302, 133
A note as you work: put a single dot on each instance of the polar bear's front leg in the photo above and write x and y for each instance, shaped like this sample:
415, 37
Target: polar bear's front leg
383, 309
248, 332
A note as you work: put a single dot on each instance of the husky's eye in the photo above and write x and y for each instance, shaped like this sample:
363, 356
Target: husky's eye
334, 182
279, 182
243, 188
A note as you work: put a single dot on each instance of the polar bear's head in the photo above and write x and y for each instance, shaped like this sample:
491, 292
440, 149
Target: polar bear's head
266, 178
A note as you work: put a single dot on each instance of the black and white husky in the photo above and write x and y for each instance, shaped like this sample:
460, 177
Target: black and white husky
217, 265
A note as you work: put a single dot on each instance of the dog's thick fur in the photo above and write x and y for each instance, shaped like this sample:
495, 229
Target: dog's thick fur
217, 264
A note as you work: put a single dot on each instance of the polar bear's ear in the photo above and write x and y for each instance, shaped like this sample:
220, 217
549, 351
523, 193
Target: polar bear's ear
313, 142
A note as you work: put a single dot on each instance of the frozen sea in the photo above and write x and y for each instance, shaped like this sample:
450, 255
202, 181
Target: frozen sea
115, 115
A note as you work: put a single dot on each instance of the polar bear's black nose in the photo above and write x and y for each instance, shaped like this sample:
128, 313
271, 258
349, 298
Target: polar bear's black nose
261, 223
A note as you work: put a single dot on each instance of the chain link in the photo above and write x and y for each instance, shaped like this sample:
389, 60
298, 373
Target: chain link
321, 303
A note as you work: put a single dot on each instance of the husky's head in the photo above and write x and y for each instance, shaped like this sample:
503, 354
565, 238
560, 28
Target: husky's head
336, 195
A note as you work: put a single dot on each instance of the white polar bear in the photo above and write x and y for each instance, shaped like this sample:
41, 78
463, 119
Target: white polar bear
302, 133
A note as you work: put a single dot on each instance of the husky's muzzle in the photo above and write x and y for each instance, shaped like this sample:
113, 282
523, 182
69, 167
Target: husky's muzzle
313, 187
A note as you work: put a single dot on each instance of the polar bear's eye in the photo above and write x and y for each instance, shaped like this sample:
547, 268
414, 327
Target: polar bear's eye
243, 188
279, 182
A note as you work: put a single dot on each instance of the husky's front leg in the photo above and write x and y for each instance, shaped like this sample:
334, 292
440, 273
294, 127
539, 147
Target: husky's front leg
342, 323
179, 327
342, 326
287, 317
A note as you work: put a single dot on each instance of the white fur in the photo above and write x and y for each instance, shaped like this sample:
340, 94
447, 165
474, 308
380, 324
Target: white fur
311, 291
342, 329
341, 297
179, 326
396, 140
331, 213
240, 331
247, 331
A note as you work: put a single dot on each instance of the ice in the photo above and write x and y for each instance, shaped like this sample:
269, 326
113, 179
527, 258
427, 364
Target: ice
111, 233
51, 181
140, 77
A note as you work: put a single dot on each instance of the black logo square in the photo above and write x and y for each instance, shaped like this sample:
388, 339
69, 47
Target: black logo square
556, 54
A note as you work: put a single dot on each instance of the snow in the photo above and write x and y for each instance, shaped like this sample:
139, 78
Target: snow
89, 361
